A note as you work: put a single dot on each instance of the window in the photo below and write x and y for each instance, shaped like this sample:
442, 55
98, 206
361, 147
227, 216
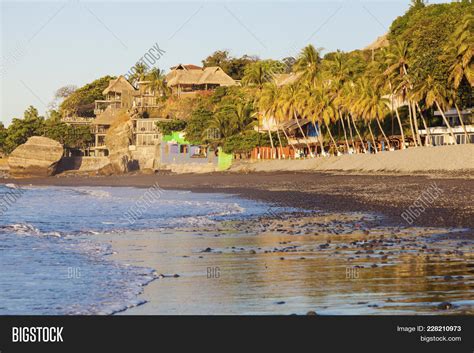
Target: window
437, 140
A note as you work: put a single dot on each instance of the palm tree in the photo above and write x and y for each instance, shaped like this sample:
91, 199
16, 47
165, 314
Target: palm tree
352, 97
339, 72
384, 79
397, 61
290, 102
158, 82
266, 105
308, 63
459, 52
373, 106
261, 72
435, 94
139, 74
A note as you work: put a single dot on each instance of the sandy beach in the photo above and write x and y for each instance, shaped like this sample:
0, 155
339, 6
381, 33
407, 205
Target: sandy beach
387, 194
348, 250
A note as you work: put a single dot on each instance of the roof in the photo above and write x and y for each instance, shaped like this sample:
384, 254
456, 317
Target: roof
286, 79
292, 124
187, 67
208, 75
119, 85
453, 112
380, 42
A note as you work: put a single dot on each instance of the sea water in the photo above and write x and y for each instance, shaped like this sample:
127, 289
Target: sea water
50, 266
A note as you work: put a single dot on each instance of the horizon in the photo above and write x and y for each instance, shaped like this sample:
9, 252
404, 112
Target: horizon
76, 42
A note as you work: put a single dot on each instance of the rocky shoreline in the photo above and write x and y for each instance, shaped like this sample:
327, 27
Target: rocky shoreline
388, 195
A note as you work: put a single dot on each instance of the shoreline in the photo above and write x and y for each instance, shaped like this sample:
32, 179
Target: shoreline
297, 253
388, 195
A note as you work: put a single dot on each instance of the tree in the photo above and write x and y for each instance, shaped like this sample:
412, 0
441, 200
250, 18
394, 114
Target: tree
61, 94
158, 84
140, 71
81, 101
3, 137
260, 72
308, 63
21, 129
197, 126
435, 94
290, 103
169, 126
232, 66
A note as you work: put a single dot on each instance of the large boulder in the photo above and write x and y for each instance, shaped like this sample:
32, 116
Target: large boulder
38, 157
118, 139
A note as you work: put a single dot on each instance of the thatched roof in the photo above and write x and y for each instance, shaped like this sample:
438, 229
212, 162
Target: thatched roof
286, 79
186, 75
120, 84
187, 67
380, 42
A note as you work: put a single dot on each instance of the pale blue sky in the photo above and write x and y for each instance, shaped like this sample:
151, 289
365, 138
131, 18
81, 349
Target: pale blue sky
48, 45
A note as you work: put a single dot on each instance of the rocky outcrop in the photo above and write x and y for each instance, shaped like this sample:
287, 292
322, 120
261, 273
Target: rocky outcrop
118, 139
38, 157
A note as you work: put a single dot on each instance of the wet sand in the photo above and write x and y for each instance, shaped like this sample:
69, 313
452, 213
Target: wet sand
385, 194
332, 264
327, 263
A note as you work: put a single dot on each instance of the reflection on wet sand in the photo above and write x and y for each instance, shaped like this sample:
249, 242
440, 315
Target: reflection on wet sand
331, 264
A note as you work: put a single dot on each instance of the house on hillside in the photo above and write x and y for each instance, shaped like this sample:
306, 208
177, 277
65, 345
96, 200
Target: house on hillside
189, 79
440, 135
118, 94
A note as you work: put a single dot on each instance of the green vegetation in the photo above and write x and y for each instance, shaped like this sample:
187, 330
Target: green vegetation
34, 125
167, 127
81, 101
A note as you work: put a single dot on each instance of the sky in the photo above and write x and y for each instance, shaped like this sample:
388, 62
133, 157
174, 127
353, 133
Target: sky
47, 45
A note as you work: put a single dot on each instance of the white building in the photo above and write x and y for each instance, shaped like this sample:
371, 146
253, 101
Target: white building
440, 135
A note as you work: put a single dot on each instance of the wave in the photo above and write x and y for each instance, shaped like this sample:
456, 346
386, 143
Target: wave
26, 229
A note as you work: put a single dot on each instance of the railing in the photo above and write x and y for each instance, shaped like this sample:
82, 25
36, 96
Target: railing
77, 119
101, 105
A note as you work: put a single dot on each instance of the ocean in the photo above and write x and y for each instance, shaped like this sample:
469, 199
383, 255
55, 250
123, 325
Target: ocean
49, 265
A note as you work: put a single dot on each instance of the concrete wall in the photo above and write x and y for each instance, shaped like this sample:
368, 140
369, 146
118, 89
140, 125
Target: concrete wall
82, 164
147, 156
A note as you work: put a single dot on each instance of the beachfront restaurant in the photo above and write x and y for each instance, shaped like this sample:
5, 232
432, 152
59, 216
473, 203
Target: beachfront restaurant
440, 135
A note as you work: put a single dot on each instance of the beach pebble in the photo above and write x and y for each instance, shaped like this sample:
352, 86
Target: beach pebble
445, 306
280, 303
311, 313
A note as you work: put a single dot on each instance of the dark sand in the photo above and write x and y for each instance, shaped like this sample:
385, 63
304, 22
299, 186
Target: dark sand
387, 195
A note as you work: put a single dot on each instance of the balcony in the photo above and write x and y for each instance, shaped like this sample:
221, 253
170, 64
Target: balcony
101, 105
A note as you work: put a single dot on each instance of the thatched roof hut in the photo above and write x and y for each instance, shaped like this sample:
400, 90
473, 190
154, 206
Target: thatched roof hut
195, 75
380, 42
119, 85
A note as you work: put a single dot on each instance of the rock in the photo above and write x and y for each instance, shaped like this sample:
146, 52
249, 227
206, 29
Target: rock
448, 278
280, 303
253, 252
311, 313
207, 250
38, 157
445, 306
118, 138
176, 275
